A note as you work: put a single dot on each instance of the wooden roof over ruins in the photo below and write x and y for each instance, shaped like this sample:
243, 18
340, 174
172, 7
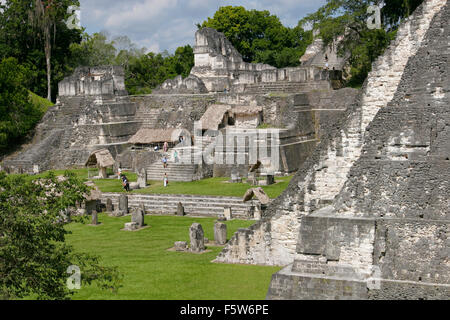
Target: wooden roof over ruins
102, 158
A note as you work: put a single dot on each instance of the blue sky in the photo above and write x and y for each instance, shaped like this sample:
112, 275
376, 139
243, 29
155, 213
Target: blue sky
167, 24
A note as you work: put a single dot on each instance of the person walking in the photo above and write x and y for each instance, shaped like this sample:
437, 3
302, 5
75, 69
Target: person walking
164, 161
125, 183
175, 156
166, 180
166, 146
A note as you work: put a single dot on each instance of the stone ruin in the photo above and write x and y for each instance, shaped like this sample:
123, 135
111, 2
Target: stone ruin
370, 196
219, 67
93, 112
197, 238
220, 233
367, 214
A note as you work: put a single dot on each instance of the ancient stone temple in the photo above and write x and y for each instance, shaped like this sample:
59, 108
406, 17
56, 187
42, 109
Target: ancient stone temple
220, 67
367, 215
93, 112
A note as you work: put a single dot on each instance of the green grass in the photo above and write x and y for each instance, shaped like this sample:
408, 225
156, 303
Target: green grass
208, 187
153, 273
41, 103
214, 187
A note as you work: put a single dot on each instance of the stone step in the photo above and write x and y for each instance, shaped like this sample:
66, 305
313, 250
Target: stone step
197, 205
177, 197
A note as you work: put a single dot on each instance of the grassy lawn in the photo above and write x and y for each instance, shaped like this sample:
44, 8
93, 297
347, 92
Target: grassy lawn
153, 273
214, 187
210, 186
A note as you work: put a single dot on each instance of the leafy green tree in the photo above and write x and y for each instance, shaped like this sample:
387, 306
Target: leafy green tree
348, 19
95, 50
24, 34
33, 255
394, 11
260, 36
17, 114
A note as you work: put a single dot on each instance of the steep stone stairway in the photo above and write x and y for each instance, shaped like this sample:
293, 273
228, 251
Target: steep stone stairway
148, 117
326, 171
193, 204
175, 171
188, 166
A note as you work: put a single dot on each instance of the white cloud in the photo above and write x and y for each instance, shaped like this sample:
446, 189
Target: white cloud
167, 24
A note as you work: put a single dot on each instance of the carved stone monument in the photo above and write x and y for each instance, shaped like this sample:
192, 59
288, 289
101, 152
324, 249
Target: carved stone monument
123, 204
138, 217
109, 205
196, 236
142, 178
220, 233
180, 210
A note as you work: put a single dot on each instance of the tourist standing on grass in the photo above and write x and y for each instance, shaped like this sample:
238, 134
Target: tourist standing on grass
166, 180
119, 173
125, 183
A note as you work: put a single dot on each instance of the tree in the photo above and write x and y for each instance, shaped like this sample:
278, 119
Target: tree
260, 36
22, 38
94, 50
17, 113
348, 19
33, 255
44, 15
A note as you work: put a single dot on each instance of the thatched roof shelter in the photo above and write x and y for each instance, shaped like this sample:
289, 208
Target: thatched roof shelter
102, 158
213, 117
246, 110
149, 136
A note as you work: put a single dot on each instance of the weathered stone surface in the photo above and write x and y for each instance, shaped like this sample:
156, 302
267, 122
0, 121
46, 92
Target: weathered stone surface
142, 178
190, 85
270, 179
196, 236
235, 177
138, 217
221, 68
228, 213
181, 246
386, 230
257, 213
131, 226
134, 186
180, 210
220, 233
109, 205
258, 193
94, 218
367, 228
123, 204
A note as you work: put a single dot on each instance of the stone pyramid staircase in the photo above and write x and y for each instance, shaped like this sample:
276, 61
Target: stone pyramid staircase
325, 172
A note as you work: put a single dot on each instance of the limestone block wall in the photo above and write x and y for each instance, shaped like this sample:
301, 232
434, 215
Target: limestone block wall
273, 240
94, 81
171, 111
